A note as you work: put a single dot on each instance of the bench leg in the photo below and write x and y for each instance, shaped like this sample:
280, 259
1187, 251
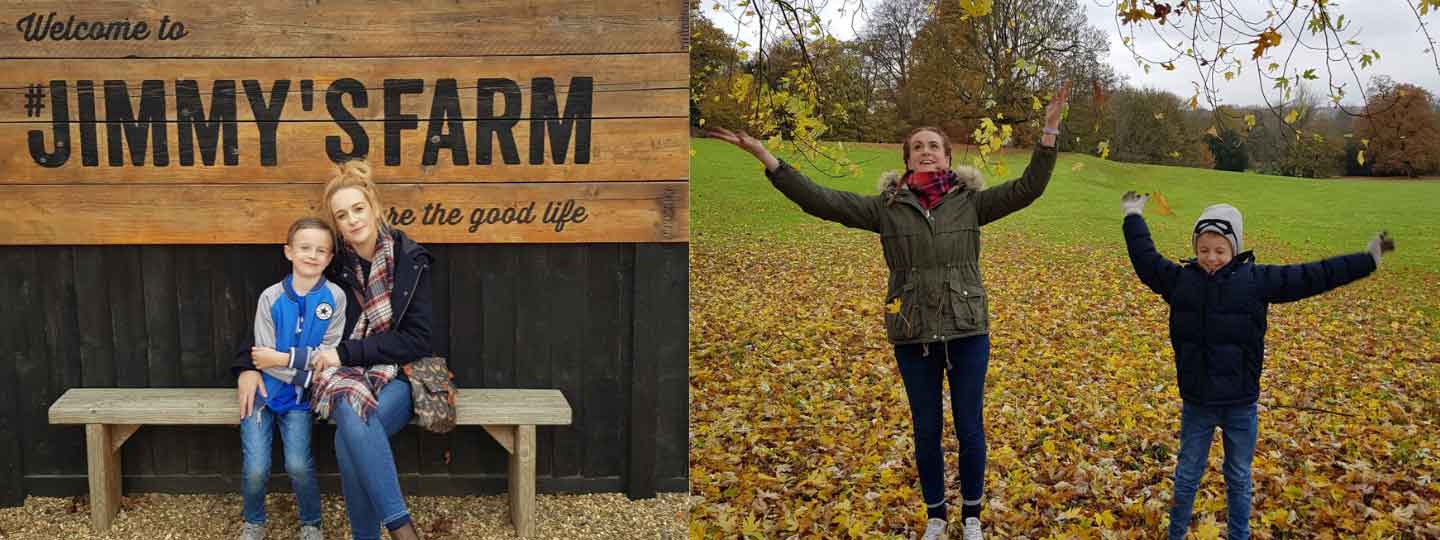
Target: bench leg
522, 481
104, 471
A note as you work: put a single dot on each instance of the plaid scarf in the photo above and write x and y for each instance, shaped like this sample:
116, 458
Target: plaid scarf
358, 385
929, 187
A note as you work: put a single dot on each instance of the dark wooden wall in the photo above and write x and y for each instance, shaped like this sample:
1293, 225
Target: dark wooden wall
605, 323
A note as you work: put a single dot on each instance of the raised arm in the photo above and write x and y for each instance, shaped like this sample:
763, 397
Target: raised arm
1010, 197
843, 207
1291, 282
1154, 270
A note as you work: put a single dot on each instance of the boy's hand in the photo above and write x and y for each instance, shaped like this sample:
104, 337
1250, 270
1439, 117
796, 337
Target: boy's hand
246, 386
327, 358
266, 358
1380, 245
1133, 203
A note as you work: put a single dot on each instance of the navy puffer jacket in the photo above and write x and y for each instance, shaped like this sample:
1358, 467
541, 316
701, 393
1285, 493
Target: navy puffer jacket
1217, 322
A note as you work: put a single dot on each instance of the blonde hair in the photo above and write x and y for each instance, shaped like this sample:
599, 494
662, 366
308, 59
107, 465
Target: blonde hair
353, 174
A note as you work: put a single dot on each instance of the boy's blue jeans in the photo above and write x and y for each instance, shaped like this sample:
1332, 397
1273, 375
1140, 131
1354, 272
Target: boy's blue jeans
923, 374
367, 468
256, 436
1238, 429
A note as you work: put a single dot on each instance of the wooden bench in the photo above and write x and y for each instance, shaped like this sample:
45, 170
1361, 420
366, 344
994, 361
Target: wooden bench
111, 416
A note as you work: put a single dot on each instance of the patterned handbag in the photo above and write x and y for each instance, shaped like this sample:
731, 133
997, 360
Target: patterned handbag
433, 392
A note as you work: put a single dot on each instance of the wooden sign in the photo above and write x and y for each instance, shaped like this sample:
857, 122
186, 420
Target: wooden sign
541, 122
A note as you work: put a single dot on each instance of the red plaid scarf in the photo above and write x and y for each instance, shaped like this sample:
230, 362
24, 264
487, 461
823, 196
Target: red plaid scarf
929, 187
358, 385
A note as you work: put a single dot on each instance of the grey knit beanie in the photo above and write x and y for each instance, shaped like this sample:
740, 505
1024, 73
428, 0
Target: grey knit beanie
1224, 220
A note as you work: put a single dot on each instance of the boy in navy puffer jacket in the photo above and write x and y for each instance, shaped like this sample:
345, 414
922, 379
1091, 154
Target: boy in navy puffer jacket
1218, 303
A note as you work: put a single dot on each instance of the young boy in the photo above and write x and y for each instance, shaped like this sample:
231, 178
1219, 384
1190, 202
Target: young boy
301, 314
1218, 302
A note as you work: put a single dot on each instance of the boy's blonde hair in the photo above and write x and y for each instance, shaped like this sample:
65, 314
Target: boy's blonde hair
353, 174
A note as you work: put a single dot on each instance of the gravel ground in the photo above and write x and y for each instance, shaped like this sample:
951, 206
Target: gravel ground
206, 517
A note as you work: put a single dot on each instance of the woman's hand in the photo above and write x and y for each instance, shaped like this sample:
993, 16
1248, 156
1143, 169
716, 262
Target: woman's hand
1053, 112
327, 358
245, 388
744, 141
266, 358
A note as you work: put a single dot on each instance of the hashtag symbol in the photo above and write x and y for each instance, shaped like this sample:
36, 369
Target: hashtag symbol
34, 100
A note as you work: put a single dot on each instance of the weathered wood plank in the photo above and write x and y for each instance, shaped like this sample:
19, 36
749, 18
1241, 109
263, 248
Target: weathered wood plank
522, 481
153, 214
104, 473
622, 149
618, 86
217, 406
278, 28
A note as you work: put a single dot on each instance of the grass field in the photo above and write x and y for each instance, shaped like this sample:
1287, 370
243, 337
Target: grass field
799, 426
1284, 217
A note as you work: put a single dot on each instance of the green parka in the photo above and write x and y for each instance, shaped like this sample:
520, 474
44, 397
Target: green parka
935, 291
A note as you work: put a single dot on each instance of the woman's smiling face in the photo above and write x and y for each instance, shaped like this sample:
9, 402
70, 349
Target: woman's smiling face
354, 217
927, 152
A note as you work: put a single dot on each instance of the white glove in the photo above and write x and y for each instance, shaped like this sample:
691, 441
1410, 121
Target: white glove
1133, 203
1380, 245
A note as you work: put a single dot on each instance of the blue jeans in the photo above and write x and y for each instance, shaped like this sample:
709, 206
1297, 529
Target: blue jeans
968, 359
256, 436
1239, 425
367, 468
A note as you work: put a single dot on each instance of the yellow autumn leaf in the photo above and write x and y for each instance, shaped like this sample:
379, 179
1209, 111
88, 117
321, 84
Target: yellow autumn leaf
894, 306
1360, 158
1103, 149
1266, 40
1249, 121
1292, 116
1162, 206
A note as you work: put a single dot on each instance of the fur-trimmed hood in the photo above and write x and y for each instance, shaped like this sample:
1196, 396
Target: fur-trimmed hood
891, 181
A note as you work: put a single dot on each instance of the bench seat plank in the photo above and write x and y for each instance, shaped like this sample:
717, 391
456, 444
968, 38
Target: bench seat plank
202, 406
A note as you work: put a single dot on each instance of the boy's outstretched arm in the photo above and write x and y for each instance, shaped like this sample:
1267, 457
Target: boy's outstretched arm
1291, 282
1154, 270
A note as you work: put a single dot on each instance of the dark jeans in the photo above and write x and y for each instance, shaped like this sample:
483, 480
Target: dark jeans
968, 358
1238, 429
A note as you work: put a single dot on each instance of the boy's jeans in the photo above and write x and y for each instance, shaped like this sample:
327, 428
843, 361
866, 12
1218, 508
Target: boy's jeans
256, 434
367, 467
923, 374
1238, 425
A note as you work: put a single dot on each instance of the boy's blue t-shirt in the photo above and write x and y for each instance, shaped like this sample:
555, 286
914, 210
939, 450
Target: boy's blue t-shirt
298, 324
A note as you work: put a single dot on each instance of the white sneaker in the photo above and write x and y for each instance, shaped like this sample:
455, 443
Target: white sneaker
311, 532
252, 531
934, 529
972, 529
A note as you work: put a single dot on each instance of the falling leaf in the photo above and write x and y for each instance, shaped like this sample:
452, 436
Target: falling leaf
894, 306
1360, 158
1249, 121
1103, 149
1162, 206
1292, 116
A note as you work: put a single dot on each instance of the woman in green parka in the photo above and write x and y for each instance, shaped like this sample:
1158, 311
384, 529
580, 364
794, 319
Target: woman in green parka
936, 314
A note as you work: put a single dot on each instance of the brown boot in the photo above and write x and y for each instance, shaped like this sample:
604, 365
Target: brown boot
405, 533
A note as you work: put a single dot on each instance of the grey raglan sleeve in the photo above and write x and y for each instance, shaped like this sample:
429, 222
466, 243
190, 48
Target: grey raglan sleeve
336, 331
265, 330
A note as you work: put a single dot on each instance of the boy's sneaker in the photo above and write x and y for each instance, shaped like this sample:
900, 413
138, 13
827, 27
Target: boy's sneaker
934, 529
972, 529
252, 531
311, 532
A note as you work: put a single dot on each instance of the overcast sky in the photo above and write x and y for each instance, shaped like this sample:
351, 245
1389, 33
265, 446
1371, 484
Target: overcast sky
1385, 25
